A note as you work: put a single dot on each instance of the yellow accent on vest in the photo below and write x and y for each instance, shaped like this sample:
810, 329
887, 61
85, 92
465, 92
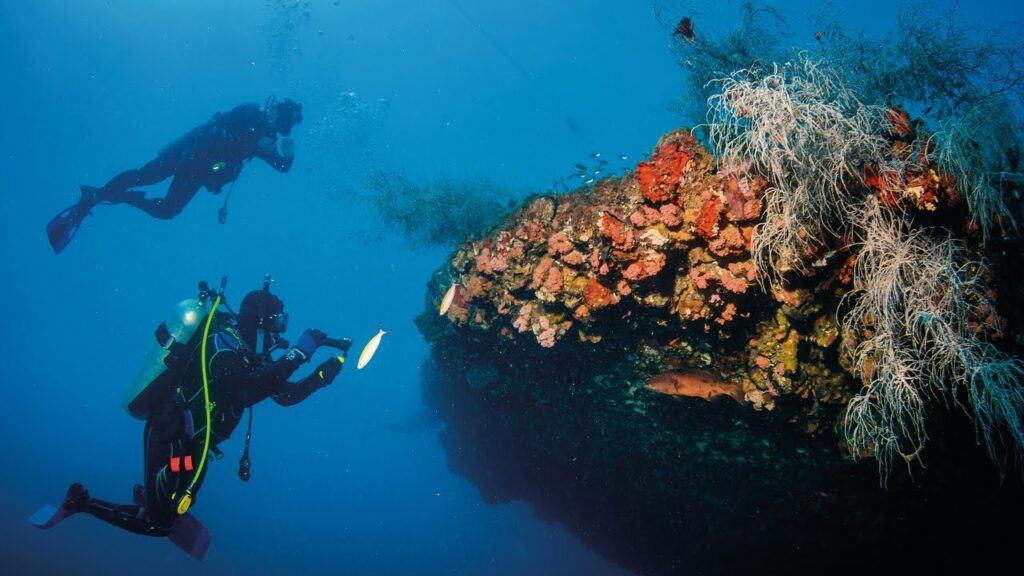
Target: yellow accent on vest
184, 504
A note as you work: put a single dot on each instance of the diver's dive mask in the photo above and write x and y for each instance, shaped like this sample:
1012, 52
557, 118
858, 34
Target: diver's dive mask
278, 323
282, 114
268, 334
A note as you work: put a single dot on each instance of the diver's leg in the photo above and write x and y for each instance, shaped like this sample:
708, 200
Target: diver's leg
153, 518
129, 517
156, 170
183, 188
165, 439
162, 440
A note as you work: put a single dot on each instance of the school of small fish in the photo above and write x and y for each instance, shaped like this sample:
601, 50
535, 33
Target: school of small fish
588, 174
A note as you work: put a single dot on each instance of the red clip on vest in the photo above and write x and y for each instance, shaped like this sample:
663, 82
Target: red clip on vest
178, 461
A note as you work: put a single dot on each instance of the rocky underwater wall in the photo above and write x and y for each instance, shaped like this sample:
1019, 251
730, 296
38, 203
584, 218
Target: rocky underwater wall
613, 357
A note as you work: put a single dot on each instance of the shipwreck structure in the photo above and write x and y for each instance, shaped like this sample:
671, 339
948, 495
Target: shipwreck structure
616, 357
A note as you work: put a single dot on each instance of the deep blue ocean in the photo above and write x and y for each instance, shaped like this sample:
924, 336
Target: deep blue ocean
354, 480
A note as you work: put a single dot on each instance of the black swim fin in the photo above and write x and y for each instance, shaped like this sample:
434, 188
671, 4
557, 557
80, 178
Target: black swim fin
76, 500
191, 536
47, 517
187, 533
63, 227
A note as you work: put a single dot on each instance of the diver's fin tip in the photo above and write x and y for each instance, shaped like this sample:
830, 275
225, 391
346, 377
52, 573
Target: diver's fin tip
189, 534
47, 517
63, 227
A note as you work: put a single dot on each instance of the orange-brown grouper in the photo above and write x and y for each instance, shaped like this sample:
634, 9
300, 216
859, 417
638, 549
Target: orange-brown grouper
695, 384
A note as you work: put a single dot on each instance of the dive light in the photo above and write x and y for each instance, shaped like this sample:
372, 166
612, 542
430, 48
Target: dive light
342, 344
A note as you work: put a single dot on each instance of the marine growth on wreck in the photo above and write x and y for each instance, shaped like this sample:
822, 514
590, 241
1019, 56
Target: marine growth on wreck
609, 327
792, 334
658, 264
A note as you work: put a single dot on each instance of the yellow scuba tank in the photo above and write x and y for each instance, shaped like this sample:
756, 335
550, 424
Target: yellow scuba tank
172, 337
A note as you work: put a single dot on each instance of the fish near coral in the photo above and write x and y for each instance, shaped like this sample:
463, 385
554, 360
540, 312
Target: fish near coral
370, 349
684, 29
695, 384
449, 297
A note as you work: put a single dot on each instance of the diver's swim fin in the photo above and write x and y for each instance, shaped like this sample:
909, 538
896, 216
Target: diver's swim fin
48, 516
64, 225
76, 500
191, 536
187, 533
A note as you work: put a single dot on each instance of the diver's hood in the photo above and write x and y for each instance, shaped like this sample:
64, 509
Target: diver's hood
261, 321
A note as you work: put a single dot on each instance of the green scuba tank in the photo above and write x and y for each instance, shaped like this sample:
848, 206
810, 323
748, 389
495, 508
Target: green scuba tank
172, 338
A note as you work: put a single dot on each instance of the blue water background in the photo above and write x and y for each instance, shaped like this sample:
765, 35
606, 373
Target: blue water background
349, 481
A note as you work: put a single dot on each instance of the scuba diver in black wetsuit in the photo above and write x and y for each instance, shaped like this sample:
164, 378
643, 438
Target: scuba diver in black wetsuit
210, 156
239, 373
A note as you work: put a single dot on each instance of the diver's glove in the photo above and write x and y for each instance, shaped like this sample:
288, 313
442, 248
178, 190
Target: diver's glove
265, 144
308, 342
329, 370
287, 147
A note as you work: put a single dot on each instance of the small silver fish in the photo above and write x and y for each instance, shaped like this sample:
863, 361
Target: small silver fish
370, 349
446, 302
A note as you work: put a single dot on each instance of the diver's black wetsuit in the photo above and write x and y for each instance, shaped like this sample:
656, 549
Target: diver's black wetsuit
176, 426
211, 155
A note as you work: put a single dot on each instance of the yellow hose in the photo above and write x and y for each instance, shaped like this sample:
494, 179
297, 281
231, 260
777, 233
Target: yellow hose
186, 499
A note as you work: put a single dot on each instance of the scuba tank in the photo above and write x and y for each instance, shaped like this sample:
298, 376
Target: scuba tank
173, 337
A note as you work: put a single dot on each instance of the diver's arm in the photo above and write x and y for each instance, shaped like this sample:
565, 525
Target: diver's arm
295, 392
230, 370
266, 150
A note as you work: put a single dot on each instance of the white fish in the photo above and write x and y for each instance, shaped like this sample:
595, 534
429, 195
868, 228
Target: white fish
370, 349
446, 302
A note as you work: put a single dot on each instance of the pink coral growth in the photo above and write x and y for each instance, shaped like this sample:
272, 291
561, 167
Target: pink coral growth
553, 282
541, 271
559, 243
598, 295
707, 219
648, 265
659, 178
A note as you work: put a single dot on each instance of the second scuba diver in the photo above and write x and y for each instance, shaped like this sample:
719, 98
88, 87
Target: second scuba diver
211, 155
192, 406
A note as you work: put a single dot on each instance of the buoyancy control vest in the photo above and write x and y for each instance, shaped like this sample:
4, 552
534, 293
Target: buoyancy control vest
176, 340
